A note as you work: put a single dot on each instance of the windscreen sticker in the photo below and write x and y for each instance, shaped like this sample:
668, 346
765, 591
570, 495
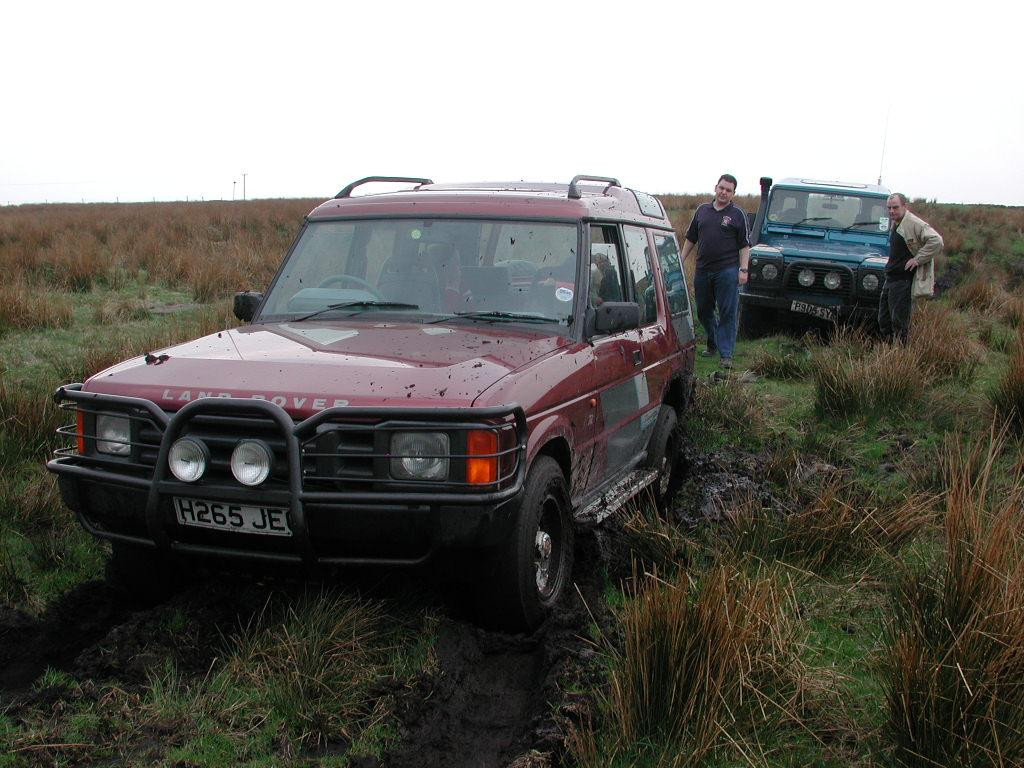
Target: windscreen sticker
883, 224
416, 234
563, 294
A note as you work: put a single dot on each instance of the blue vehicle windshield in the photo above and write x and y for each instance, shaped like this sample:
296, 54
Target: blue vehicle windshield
828, 210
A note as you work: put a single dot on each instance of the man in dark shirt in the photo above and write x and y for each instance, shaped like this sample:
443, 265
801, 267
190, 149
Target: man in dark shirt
912, 244
719, 230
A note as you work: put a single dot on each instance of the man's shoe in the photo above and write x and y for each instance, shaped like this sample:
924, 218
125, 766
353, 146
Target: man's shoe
727, 363
709, 352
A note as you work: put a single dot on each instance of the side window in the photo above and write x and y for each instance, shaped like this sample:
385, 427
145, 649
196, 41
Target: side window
640, 274
605, 268
672, 271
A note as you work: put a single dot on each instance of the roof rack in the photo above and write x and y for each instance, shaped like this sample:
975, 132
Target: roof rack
347, 191
574, 190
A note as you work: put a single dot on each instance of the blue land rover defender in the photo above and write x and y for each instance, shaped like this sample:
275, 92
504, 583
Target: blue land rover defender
820, 251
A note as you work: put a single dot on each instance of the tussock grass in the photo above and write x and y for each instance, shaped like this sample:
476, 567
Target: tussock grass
23, 307
832, 521
995, 335
853, 377
654, 544
1007, 396
725, 409
213, 248
118, 309
955, 656
313, 665
792, 361
941, 342
28, 421
846, 383
699, 655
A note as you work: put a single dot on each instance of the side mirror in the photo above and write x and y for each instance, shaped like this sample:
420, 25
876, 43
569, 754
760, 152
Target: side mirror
246, 304
615, 316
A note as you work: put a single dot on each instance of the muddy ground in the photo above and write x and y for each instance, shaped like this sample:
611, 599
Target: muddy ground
494, 699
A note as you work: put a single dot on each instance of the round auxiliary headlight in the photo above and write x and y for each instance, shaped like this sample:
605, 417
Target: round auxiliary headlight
769, 271
832, 280
251, 462
870, 282
188, 459
806, 278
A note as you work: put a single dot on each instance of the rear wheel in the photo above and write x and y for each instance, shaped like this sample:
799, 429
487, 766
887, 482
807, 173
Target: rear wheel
663, 453
533, 566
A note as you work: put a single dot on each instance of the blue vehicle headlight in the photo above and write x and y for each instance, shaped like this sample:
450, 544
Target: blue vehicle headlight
869, 282
769, 272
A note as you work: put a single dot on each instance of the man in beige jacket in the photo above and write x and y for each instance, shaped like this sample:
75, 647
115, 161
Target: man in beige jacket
913, 244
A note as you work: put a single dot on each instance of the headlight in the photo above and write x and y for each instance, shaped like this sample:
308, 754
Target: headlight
806, 278
113, 434
869, 282
769, 272
419, 456
832, 280
251, 462
188, 459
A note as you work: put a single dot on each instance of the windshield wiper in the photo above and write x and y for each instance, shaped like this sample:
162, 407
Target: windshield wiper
809, 218
499, 316
357, 305
860, 223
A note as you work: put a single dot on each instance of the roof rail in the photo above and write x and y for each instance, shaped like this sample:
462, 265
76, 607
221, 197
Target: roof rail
574, 190
347, 191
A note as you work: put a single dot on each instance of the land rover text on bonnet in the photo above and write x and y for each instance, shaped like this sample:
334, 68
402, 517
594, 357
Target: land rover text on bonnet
465, 369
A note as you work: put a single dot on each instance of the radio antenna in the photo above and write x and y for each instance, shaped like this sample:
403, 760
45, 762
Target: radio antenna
885, 136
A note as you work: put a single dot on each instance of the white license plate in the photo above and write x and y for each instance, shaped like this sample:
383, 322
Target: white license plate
200, 513
826, 313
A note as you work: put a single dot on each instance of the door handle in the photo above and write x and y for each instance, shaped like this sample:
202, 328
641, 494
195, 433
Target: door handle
638, 357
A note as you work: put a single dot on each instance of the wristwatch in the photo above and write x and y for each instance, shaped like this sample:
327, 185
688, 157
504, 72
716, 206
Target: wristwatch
743, 269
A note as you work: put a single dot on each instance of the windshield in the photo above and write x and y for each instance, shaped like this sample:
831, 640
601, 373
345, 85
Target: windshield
858, 213
428, 270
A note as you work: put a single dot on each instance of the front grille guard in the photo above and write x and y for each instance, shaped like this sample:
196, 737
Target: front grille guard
158, 481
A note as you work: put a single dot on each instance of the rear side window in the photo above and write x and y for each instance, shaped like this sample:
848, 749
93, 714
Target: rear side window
672, 270
640, 273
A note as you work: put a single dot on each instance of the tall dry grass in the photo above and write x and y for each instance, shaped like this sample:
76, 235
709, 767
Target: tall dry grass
698, 655
1007, 396
22, 308
955, 658
311, 665
853, 376
214, 248
830, 521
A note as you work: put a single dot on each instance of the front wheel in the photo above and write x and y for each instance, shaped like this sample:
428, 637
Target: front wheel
533, 566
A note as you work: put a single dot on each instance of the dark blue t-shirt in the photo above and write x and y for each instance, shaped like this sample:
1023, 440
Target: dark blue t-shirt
719, 236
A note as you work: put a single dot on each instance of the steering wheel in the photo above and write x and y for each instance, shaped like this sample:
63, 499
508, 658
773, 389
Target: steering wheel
352, 280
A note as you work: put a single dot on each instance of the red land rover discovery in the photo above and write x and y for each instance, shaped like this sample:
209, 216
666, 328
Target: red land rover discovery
459, 367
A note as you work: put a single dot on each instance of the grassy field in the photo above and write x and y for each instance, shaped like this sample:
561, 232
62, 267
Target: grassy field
844, 584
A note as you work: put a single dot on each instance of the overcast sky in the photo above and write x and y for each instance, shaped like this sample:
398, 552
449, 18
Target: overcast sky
168, 101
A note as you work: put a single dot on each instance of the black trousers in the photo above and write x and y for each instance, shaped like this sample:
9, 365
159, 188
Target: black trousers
894, 308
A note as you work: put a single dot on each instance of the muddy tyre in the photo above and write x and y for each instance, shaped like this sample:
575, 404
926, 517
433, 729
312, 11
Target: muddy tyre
533, 567
663, 454
142, 574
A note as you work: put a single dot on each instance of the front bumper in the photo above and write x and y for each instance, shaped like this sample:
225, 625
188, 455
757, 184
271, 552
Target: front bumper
849, 300
336, 517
